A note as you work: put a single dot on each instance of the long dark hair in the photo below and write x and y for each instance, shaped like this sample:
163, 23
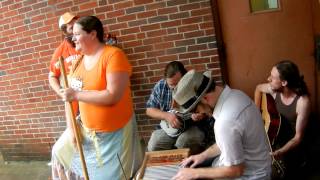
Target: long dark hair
289, 72
90, 23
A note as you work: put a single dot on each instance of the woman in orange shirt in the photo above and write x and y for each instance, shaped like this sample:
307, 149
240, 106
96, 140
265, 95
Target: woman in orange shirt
100, 82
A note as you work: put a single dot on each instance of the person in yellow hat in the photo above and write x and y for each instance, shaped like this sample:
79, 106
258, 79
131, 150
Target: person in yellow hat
66, 49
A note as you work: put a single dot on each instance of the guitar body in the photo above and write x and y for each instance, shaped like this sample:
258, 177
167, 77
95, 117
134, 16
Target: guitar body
174, 132
272, 123
270, 116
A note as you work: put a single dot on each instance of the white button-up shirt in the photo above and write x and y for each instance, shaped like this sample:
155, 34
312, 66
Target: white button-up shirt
240, 135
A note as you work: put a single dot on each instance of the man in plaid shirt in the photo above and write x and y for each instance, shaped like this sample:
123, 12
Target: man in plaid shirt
158, 105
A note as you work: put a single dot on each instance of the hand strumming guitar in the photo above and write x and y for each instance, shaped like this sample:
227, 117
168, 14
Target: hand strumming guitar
173, 120
278, 154
201, 112
198, 116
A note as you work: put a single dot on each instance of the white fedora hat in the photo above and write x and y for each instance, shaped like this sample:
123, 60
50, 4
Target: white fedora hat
190, 89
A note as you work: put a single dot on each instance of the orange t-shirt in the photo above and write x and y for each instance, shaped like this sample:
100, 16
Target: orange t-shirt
103, 118
69, 54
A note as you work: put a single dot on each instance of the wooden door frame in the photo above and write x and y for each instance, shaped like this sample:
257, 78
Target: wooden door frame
219, 41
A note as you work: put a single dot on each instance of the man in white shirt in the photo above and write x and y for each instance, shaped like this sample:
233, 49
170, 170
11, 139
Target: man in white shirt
241, 150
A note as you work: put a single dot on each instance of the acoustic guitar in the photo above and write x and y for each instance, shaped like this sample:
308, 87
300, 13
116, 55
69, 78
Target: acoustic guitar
272, 122
270, 116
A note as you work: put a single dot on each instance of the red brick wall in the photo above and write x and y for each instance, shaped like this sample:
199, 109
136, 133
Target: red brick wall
151, 32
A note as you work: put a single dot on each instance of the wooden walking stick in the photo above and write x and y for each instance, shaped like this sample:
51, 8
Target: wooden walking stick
73, 119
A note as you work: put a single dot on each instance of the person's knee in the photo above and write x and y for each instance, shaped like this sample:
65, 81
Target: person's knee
183, 144
151, 146
154, 141
187, 142
160, 141
194, 145
193, 136
192, 139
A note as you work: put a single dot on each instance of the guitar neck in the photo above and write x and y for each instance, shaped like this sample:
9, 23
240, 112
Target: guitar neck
184, 116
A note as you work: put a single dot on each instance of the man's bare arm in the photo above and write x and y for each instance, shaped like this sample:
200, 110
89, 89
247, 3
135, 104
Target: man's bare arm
55, 84
303, 112
261, 88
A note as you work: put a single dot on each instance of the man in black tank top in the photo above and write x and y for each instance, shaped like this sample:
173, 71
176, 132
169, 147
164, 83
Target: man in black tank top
293, 103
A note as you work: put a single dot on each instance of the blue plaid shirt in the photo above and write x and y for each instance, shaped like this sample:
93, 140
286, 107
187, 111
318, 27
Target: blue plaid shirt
161, 96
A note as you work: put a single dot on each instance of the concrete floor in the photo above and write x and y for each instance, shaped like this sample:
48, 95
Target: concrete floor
39, 170
33, 170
